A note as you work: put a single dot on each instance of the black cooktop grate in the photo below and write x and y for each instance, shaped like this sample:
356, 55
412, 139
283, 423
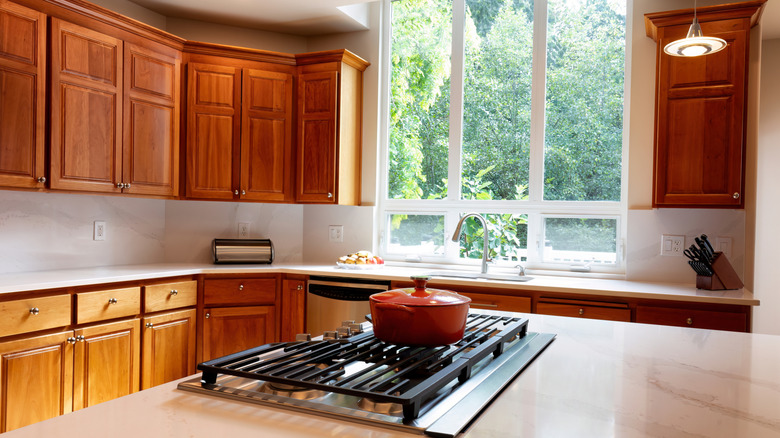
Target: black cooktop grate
364, 366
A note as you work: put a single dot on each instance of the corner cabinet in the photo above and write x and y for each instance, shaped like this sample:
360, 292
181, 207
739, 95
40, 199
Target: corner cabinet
23, 91
701, 109
330, 107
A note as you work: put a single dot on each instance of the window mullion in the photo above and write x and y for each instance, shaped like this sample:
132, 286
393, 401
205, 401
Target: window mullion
456, 99
538, 90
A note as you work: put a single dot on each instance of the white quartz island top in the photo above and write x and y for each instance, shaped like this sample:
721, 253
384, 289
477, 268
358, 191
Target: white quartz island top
42, 280
597, 379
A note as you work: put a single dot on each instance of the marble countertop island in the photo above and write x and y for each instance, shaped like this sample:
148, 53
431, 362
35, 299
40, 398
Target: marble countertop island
597, 379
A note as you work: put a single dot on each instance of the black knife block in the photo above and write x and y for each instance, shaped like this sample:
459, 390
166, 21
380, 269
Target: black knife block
724, 276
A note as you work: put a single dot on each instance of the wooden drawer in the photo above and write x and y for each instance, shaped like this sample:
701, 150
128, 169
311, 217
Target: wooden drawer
33, 314
585, 309
170, 295
707, 319
239, 291
499, 302
107, 304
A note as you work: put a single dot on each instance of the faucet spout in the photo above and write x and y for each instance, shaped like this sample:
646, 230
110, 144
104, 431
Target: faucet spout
485, 237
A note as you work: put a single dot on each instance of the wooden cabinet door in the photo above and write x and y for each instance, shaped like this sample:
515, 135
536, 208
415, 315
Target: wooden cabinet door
36, 379
86, 111
293, 314
266, 136
151, 121
317, 115
168, 347
701, 114
22, 96
213, 126
228, 330
106, 362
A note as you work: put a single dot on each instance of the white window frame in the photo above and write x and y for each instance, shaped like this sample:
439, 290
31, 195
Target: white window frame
535, 207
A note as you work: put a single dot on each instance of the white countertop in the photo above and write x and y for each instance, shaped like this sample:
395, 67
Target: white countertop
597, 379
30, 281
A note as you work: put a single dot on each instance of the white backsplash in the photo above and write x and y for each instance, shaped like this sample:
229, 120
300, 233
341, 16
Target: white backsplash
54, 230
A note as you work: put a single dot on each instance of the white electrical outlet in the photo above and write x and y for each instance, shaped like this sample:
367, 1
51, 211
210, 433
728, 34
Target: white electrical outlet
335, 233
672, 245
243, 230
724, 244
99, 230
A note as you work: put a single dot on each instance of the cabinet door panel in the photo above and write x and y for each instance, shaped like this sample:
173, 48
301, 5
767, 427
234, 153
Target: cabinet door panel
293, 313
106, 362
213, 93
168, 347
317, 94
151, 126
228, 330
266, 144
22, 95
36, 379
86, 112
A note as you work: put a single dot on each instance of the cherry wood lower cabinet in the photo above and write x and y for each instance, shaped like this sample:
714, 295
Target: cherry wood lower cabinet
168, 347
36, 379
228, 330
584, 309
506, 303
293, 313
106, 362
695, 318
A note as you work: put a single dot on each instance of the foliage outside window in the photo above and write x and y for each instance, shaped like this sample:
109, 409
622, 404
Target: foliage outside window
518, 104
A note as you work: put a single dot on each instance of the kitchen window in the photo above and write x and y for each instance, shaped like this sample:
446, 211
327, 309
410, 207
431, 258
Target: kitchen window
509, 108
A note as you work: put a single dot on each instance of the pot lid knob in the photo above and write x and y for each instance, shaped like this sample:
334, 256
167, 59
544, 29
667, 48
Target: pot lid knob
419, 284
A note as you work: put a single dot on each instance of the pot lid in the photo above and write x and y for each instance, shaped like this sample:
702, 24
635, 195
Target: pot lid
419, 295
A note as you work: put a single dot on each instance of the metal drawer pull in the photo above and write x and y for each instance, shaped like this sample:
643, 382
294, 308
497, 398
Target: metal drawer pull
473, 304
689, 321
174, 292
240, 287
112, 301
35, 311
581, 311
149, 325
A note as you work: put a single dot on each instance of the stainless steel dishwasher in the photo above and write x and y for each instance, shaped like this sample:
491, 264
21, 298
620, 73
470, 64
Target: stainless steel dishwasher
331, 300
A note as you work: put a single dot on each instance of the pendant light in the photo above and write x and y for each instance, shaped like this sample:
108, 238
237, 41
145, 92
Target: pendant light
695, 43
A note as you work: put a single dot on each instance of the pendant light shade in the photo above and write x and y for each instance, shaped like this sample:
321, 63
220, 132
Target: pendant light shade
695, 43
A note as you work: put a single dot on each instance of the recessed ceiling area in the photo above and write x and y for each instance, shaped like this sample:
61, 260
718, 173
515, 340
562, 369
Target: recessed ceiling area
296, 17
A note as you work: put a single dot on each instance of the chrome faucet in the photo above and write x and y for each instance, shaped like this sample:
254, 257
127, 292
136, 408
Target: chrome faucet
485, 239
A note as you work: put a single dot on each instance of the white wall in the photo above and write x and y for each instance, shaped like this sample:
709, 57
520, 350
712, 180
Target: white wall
765, 318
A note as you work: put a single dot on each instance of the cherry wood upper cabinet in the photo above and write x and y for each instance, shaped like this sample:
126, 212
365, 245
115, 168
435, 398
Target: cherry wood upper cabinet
330, 102
213, 124
86, 111
23, 102
266, 136
701, 109
150, 158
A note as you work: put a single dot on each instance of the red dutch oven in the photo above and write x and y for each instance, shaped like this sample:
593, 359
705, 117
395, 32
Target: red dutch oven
419, 316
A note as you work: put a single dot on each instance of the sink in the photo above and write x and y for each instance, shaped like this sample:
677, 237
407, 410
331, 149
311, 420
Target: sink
479, 275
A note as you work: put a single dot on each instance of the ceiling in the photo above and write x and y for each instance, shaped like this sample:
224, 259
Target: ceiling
319, 17
297, 17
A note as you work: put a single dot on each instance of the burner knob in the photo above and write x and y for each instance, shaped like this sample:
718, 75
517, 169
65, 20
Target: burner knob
302, 337
356, 328
330, 335
344, 332
347, 323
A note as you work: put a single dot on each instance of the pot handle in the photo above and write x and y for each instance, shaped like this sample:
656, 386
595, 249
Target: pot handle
393, 306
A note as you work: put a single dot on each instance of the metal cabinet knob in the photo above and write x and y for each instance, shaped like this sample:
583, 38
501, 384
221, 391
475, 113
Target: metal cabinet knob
689, 321
149, 325
581, 311
330, 195
208, 315
243, 192
735, 196
41, 179
112, 301
71, 340
240, 287
120, 185
300, 286
127, 185
174, 292
35, 311
235, 192
80, 338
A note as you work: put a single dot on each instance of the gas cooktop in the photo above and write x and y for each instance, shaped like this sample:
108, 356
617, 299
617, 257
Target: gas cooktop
351, 375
